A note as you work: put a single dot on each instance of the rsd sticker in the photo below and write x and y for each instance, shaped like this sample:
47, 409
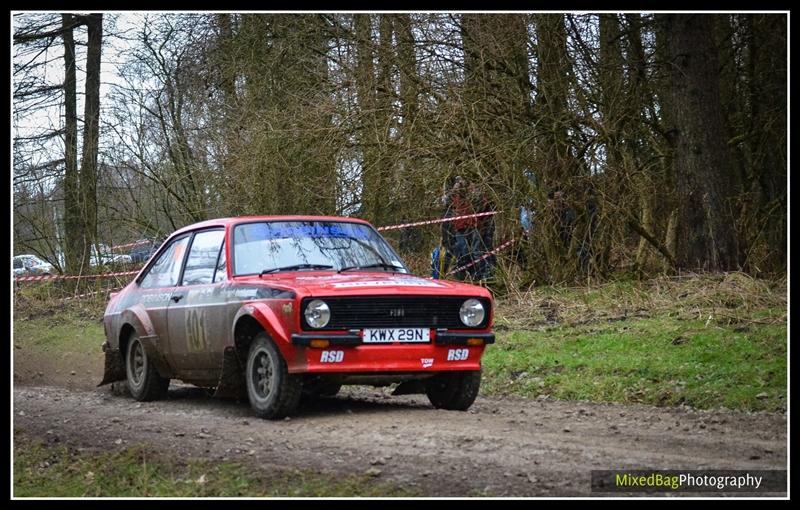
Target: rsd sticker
457, 354
426, 362
331, 357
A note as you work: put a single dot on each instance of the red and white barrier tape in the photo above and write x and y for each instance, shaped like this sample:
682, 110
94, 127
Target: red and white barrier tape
486, 256
129, 245
441, 220
72, 277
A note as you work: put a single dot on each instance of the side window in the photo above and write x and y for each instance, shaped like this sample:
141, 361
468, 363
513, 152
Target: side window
221, 273
203, 257
167, 269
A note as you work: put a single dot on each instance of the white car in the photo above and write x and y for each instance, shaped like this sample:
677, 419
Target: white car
105, 257
121, 258
31, 265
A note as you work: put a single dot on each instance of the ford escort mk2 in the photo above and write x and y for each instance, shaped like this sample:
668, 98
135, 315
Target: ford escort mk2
279, 307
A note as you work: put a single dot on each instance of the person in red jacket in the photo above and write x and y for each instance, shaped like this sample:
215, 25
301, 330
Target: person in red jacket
461, 235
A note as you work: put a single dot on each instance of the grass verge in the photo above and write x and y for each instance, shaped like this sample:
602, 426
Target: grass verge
59, 334
708, 341
41, 470
660, 361
61, 349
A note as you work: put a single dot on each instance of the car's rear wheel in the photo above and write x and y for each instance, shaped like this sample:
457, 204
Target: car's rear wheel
144, 381
455, 391
273, 392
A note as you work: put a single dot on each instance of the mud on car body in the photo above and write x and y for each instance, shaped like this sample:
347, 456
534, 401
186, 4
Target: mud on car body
278, 307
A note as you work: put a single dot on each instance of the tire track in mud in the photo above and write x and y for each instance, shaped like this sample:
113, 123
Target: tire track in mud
501, 446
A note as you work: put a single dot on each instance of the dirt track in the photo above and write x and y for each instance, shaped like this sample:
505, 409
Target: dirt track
501, 447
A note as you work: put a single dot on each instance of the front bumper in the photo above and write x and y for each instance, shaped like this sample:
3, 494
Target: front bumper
347, 353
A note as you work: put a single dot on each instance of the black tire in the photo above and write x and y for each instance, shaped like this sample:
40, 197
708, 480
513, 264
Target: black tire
273, 392
144, 382
455, 391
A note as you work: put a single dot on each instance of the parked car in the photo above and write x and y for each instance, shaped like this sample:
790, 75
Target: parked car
31, 265
99, 255
102, 256
121, 258
144, 250
276, 307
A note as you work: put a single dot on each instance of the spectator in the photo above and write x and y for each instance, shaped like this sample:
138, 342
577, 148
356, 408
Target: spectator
527, 210
441, 260
565, 215
460, 237
527, 214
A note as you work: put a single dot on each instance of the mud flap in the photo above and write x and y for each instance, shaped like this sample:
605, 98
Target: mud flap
231, 380
114, 366
155, 356
410, 388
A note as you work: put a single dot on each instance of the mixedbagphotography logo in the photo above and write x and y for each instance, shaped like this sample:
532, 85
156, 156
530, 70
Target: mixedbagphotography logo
750, 481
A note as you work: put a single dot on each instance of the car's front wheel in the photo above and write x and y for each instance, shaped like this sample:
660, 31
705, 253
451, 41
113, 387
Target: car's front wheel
144, 382
273, 392
455, 391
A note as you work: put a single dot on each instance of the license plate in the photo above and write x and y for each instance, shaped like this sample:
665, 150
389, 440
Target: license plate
386, 336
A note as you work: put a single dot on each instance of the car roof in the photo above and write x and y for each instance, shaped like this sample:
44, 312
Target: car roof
224, 222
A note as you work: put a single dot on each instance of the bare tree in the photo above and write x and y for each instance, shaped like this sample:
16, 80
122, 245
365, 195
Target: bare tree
706, 238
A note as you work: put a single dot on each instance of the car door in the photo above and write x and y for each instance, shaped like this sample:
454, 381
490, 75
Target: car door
196, 308
156, 288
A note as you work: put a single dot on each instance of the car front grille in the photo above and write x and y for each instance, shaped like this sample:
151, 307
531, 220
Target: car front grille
394, 312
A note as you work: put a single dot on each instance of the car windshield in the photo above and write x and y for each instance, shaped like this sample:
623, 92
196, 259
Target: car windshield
308, 245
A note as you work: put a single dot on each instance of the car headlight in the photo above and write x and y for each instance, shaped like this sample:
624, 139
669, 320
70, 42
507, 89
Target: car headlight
472, 313
317, 314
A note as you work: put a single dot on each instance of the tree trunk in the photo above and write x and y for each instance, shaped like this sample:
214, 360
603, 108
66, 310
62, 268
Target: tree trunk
73, 221
370, 132
384, 97
412, 185
407, 67
91, 130
706, 235
551, 99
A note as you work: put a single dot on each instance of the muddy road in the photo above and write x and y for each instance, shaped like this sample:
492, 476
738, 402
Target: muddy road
501, 447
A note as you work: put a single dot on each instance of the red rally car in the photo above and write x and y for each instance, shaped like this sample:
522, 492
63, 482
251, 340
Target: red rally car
281, 306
